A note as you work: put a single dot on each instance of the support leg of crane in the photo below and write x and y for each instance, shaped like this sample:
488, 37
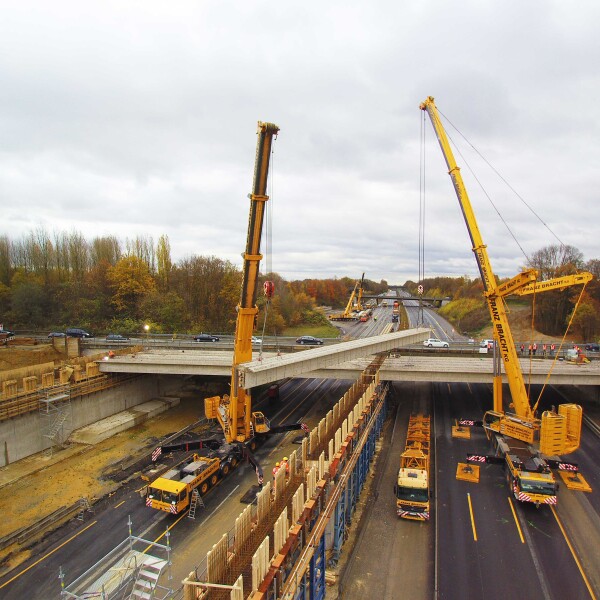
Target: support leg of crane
250, 495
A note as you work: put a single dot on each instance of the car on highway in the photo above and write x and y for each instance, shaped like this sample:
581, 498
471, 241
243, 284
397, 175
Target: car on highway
57, 334
486, 344
205, 337
435, 343
116, 337
309, 339
78, 333
592, 347
256, 340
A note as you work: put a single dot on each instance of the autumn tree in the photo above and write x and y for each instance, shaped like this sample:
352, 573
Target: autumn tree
163, 258
586, 320
105, 249
131, 282
5, 261
552, 308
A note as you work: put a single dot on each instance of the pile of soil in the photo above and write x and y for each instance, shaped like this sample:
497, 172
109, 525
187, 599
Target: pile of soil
22, 355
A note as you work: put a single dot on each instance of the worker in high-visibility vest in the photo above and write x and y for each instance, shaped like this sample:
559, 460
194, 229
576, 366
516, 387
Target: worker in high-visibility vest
286, 464
275, 469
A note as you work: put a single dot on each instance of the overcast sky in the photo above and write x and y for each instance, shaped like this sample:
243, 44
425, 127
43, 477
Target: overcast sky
138, 118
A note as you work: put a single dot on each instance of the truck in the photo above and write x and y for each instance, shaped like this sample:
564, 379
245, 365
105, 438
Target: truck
173, 491
412, 486
365, 315
528, 474
395, 311
521, 438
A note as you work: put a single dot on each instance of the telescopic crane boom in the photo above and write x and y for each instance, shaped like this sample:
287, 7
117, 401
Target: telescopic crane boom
234, 411
523, 425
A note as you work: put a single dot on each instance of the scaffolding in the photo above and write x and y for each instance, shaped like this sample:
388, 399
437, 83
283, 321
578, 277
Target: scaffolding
55, 417
135, 569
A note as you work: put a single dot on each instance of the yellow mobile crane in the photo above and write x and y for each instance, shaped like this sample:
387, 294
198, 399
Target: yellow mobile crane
352, 310
175, 490
234, 411
556, 433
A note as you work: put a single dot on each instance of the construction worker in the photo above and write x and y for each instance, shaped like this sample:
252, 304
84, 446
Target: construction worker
275, 469
286, 464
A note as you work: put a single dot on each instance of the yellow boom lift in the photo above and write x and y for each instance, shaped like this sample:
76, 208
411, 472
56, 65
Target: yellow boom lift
555, 433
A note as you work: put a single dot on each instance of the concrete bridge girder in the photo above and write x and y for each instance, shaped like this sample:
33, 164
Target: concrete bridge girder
294, 365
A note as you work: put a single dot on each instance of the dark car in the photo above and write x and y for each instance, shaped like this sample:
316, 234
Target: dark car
57, 334
116, 337
5, 336
78, 333
309, 339
592, 347
205, 337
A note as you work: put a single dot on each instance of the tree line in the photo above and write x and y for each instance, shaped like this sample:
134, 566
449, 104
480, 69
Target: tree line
63, 280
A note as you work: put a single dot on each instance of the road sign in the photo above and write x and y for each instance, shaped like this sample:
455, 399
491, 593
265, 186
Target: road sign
420, 289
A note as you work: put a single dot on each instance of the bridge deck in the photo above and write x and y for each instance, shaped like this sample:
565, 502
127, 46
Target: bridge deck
346, 361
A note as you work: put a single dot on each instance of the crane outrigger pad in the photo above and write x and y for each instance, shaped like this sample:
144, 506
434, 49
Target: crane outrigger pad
463, 433
467, 472
575, 481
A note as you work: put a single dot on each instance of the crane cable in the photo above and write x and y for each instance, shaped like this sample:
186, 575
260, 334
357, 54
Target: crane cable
512, 189
559, 347
421, 276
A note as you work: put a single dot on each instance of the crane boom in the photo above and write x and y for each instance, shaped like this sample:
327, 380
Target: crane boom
495, 302
234, 411
563, 429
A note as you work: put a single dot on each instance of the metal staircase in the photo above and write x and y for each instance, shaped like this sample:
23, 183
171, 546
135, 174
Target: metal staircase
147, 579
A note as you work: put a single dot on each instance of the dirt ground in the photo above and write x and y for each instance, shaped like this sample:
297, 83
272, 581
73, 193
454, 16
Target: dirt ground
37, 486
519, 318
22, 354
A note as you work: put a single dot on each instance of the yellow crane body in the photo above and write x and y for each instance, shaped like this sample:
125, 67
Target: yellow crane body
524, 443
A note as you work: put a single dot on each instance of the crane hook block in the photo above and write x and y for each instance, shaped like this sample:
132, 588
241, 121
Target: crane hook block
269, 288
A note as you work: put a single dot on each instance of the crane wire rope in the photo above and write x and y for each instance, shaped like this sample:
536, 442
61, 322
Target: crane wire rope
557, 354
503, 179
528, 260
422, 198
562, 245
466, 163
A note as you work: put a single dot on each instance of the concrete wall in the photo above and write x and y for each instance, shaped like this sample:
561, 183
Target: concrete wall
23, 436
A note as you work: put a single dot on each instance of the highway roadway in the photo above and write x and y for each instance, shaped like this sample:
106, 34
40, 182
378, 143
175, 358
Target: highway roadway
481, 543
77, 546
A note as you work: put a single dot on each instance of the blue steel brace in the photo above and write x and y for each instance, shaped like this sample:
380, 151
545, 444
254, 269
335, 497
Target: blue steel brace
317, 572
339, 527
353, 493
